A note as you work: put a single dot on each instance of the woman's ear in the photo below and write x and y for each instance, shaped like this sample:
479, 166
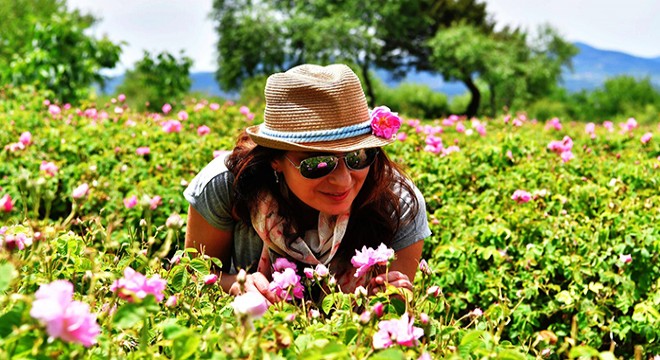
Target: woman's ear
276, 164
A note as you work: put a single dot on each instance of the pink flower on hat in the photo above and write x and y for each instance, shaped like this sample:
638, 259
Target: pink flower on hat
384, 122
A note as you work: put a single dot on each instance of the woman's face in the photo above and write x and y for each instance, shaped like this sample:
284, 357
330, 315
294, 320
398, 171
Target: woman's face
332, 194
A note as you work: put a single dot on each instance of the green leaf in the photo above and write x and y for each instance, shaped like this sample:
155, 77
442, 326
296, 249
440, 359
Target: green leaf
11, 319
185, 346
388, 354
565, 297
583, 351
178, 277
201, 266
469, 342
350, 333
7, 274
510, 355
332, 300
128, 315
171, 330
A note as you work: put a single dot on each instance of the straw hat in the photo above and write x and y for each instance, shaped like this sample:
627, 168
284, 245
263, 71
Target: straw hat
316, 108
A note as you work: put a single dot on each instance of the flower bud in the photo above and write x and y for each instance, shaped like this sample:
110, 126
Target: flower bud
378, 309
424, 267
365, 317
252, 304
360, 291
241, 277
424, 318
210, 279
433, 291
171, 301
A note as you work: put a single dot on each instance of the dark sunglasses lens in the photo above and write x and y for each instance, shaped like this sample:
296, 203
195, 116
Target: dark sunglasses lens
361, 159
318, 166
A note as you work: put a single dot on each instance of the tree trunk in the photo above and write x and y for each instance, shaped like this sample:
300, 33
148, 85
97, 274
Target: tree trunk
493, 106
367, 83
476, 97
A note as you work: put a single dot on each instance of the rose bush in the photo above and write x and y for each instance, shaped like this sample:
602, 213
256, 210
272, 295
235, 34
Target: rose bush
567, 269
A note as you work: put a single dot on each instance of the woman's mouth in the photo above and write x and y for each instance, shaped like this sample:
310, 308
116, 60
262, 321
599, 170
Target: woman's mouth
337, 196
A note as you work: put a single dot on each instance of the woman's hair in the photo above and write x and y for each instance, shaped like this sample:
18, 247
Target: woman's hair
376, 214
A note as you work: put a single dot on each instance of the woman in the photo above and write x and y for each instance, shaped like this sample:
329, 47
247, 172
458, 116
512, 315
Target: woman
309, 184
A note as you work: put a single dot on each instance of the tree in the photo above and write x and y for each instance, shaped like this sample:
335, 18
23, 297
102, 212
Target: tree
463, 53
45, 45
259, 38
157, 80
513, 68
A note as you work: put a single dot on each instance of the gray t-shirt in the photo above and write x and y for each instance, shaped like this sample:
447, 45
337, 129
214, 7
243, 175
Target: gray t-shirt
210, 193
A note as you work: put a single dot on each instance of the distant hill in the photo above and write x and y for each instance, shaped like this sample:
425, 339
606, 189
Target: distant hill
591, 67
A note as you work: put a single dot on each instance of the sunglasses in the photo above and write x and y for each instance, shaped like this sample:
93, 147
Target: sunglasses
319, 166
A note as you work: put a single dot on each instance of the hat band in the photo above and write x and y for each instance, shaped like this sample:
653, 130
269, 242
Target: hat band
320, 135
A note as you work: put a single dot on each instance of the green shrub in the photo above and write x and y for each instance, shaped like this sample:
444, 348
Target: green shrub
412, 100
157, 80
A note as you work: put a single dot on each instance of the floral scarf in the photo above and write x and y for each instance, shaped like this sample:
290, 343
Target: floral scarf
317, 247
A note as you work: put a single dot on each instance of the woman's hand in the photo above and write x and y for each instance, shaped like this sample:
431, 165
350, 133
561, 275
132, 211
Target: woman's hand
394, 278
254, 282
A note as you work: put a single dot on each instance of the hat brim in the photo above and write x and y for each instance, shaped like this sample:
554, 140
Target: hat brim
339, 145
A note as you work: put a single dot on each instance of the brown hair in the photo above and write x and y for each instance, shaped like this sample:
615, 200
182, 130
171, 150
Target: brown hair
376, 214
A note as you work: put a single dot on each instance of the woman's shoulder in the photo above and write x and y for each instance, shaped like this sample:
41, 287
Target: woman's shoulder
406, 189
214, 174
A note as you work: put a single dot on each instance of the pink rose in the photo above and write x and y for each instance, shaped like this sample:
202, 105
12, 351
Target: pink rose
135, 285
384, 123
142, 150
6, 204
25, 138
366, 258
521, 196
130, 202
646, 137
203, 130
395, 331
65, 319
80, 192
252, 304
49, 168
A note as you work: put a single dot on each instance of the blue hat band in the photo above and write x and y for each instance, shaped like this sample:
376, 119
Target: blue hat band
319, 135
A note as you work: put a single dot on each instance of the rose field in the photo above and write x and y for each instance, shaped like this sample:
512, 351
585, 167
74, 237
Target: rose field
545, 242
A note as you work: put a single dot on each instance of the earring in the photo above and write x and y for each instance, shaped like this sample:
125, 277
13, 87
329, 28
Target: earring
277, 178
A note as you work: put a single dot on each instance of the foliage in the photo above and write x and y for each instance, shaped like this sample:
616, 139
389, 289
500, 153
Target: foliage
51, 50
515, 69
571, 273
263, 37
618, 97
156, 80
414, 100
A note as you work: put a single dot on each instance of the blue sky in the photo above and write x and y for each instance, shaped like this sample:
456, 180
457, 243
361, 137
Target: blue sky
157, 25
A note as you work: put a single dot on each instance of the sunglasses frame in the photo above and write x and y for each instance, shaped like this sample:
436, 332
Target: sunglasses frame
339, 158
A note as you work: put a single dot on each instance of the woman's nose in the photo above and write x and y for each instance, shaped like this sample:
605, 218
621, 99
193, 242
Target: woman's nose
341, 175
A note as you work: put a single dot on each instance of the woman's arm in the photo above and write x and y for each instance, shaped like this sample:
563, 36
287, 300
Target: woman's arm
207, 239
402, 270
407, 260
217, 243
